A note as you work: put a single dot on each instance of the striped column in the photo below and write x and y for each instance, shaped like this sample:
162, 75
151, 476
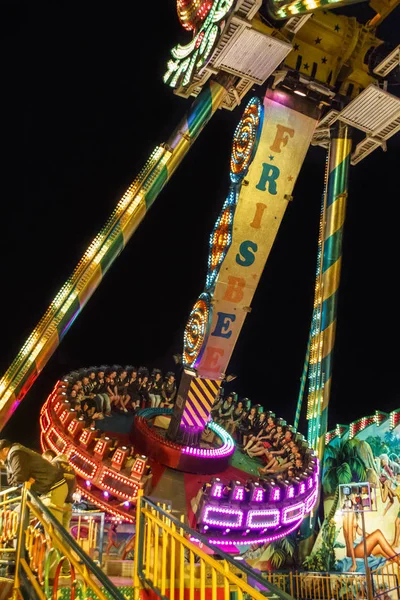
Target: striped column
336, 198
302, 384
106, 247
314, 364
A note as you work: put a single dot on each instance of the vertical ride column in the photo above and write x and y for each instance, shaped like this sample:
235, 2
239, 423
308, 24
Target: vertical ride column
335, 210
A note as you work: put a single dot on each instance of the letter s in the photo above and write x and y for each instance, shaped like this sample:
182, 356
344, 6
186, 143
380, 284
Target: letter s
245, 258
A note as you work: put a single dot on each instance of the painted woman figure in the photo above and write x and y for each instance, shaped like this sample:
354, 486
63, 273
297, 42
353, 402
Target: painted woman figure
386, 480
376, 543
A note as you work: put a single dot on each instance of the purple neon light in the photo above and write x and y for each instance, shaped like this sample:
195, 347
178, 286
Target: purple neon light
259, 495
239, 494
249, 541
218, 510
298, 510
310, 483
290, 491
302, 488
311, 501
276, 495
227, 448
217, 490
271, 512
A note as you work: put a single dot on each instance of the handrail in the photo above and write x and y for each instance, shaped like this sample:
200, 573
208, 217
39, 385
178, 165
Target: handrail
10, 490
40, 552
98, 573
226, 557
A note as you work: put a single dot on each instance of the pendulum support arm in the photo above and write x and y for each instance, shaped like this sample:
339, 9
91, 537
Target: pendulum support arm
270, 145
106, 247
311, 365
335, 209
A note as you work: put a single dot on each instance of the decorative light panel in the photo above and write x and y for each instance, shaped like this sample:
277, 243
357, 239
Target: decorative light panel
207, 19
227, 448
262, 519
196, 330
119, 457
217, 488
76, 426
192, 13
293, 513
245, 139
84, 466
102, 448
138, 467
223, 517
87, 436
118, 485
221, 237
246, 541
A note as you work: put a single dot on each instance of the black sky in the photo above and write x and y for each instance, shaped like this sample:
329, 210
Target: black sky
83, 106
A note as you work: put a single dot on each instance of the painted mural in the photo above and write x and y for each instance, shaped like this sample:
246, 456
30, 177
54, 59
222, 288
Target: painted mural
369, 452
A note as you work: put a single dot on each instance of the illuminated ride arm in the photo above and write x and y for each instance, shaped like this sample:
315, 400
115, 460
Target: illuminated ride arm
105, 248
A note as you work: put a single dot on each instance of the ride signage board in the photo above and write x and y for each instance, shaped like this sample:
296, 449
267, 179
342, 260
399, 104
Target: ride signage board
287, 129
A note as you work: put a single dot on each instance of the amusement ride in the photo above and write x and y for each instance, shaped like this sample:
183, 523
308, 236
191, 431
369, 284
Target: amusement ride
322, 79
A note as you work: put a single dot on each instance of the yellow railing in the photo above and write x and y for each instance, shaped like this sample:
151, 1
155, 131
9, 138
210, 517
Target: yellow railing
170, 564
45, 549
89, 533
338, 586
385, 580
9, 499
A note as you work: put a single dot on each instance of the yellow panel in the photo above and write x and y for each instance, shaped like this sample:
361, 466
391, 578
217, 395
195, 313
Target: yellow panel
263, 199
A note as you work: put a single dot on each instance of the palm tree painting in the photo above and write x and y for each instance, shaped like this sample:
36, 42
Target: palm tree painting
343, 463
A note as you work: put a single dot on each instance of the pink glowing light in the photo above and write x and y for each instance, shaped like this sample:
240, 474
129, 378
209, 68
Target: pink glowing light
253, 518
239, 494
213, 512
292, 513
276, 495
248, 541
259, 495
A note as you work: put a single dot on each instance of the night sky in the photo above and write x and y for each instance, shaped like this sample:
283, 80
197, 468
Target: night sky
83, 106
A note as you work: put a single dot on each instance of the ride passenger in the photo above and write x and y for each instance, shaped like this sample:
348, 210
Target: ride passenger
169, 390
235, 418
155, 389
226, 410
247, 424
258, 431
121, 396
133, 389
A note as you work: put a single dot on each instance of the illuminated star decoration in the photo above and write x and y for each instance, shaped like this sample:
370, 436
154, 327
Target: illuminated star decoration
317, 41
290, 178
306, 66
296, 47
271, 157
207, 20
196, 330
323, 60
